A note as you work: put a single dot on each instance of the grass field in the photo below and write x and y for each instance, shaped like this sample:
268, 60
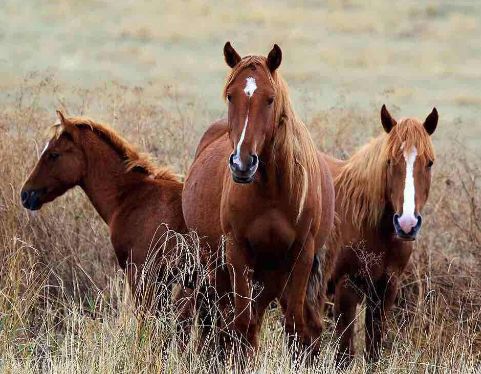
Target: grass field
155, 72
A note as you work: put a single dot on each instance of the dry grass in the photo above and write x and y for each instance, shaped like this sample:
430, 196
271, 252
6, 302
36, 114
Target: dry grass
63, 302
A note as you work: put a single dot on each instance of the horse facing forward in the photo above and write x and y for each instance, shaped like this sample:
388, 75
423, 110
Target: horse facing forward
380, 193
138, 201
257, 179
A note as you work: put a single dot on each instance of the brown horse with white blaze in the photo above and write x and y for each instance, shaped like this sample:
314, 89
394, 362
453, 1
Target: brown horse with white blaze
139, 202
257, 179
380, 193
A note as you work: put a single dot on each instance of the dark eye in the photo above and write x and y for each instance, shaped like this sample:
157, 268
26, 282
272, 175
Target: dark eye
229, 97
53, 155
270, 100
430, 163
388, 162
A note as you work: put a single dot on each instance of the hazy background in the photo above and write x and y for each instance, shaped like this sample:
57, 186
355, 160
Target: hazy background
155, 72
337, 54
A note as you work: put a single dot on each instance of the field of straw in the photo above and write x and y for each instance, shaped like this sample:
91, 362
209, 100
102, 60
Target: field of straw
156, 76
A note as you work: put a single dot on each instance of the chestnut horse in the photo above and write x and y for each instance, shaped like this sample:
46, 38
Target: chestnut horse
139, 202
258, 181
380, 192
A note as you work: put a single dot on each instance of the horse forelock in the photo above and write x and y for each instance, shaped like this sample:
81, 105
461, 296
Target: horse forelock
133, 159
247, 62
294, 149
408, 133
362, 179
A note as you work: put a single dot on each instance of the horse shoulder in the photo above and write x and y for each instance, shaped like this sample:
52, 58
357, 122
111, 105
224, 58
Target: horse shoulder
214, 132
144, 217
332, 163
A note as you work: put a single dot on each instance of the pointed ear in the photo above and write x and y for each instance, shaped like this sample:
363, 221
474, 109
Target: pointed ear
67, 130
231, 56
61, 117
274, 58
431, 121
387, 121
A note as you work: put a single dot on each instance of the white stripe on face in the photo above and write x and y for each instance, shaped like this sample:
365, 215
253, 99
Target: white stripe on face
407, 220
44, 148
249, 90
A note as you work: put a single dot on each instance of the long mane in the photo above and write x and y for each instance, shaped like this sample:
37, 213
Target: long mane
294, 148
362, 179
134, 160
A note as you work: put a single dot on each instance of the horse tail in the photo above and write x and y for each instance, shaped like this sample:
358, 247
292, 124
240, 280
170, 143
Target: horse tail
315, 280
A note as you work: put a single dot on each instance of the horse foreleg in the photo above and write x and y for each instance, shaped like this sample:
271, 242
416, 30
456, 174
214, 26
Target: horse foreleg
345, 302
296, 296
379, 302
184, 304
241, 274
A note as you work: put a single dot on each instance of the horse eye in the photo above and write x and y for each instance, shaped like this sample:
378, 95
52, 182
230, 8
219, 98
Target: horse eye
430, 163
388, 162
53, 155
270, 100
229, 97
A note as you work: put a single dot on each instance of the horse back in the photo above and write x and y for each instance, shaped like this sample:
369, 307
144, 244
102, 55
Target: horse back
214, 132
332, 163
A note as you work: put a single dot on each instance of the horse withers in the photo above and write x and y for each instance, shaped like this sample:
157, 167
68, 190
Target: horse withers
258, 181
140, 203
380, 193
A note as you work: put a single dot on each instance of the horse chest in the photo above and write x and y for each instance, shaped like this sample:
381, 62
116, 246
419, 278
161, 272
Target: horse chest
270, 232
267, 233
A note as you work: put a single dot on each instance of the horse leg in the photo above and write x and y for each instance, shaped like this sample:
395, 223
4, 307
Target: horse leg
314, 326
184, 304
241, 274
296, 296
345, 302
379, 301
313, 329
213, 304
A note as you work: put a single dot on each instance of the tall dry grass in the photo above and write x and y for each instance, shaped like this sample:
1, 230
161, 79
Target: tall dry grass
64, 304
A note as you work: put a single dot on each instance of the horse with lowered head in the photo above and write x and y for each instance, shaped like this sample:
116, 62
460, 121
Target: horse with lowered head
380, 193
258, 181
139, 202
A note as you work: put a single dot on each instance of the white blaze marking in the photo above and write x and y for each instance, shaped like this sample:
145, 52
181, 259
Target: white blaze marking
250, 87
408, 220
249, 90
44, 148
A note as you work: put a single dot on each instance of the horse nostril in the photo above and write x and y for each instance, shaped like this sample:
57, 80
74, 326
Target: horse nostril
419, 222
254, 160
407, 227
24, 196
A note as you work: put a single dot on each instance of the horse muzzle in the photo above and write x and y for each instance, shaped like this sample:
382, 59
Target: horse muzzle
243, 172
407, 229
32, 199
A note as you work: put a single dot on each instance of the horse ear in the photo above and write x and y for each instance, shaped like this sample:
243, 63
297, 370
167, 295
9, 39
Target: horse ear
274, 58
67, 129
231, 56
61, 117
431, 121
387, 121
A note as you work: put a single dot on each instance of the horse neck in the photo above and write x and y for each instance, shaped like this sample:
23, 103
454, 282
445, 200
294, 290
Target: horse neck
273, 177
106, 180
